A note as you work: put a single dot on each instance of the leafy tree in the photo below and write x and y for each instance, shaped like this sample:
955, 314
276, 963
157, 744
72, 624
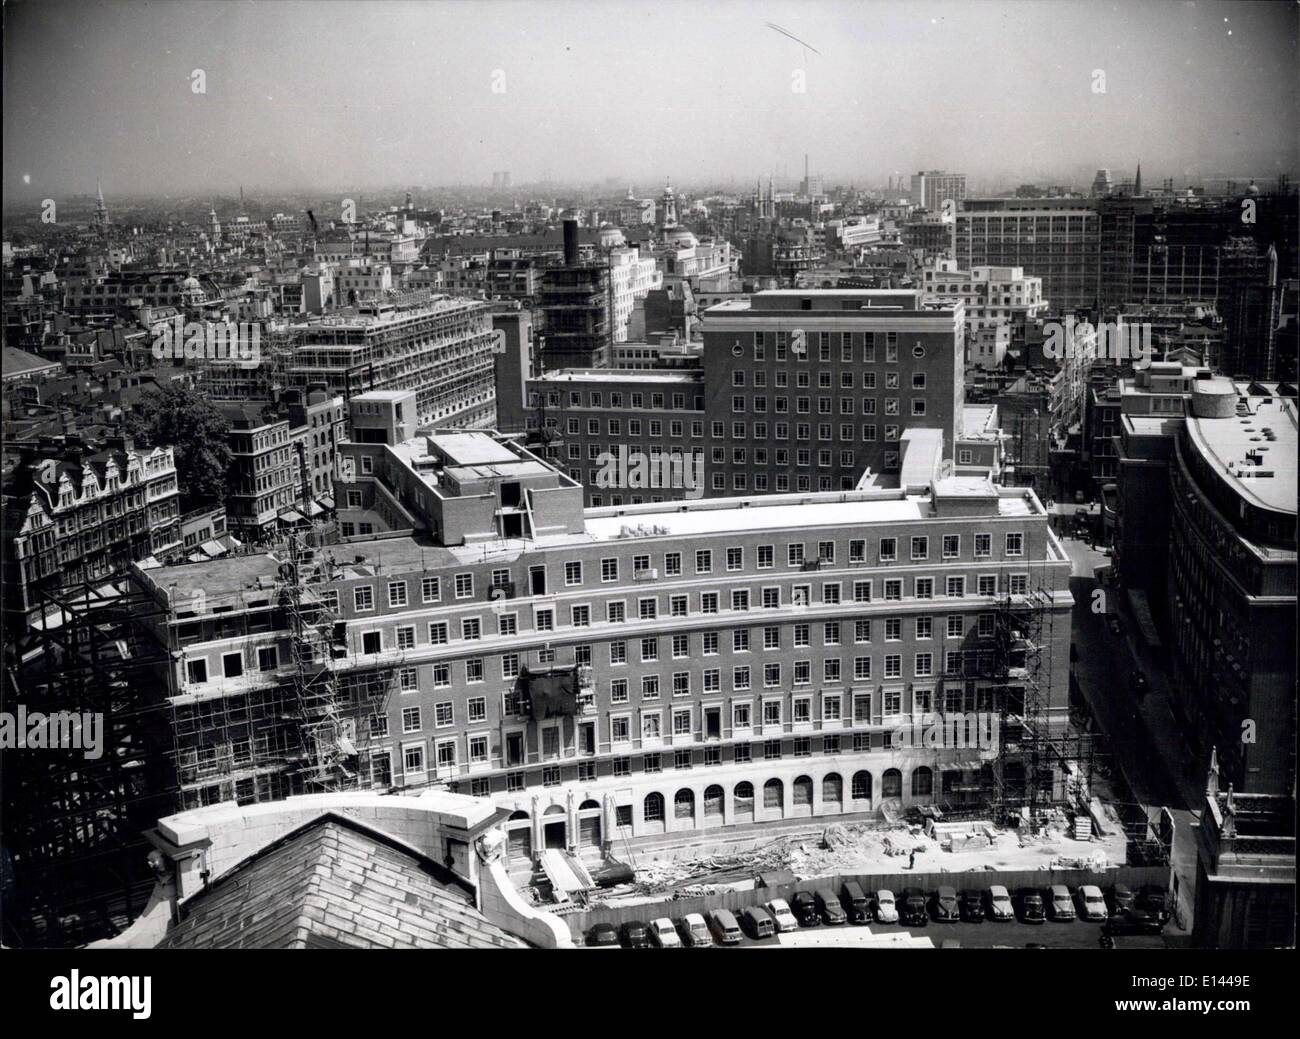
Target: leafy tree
186, 420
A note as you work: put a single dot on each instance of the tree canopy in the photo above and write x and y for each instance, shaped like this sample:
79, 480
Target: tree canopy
186, 420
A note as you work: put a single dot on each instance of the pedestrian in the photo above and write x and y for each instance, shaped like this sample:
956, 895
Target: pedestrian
911, 862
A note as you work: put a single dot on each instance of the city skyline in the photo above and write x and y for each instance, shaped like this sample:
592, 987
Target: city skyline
551, 106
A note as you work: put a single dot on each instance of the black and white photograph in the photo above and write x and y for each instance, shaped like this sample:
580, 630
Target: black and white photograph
575, 474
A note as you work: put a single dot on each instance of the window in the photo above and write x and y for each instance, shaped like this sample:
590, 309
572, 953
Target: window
888, 550
474, 669
649, 649
413, 759
544, 620
951, 546
861, 631
735, 559
572, 573
983, 546
363, 598
920, 548
464, 586
371, 642
430, 589
862, 669
703, 561
196, 671
580, 616
438, 633
893, 665
509, 666
476, 707
925, 587
615, 612
893, 590
618, 652
396, 593
1015, 544
268, 658
649, 687
924, 627
924, 665
410, 719
608, 570
955, 587
470, 629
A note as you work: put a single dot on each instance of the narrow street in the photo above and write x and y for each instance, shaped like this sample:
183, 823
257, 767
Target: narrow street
1142, 737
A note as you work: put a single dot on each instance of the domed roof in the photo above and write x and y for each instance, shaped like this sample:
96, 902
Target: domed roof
680, 236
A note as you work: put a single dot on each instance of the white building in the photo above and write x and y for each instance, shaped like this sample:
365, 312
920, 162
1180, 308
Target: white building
993, 295
631, 276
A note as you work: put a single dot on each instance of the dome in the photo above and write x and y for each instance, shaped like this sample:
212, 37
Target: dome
681, 237
610, 237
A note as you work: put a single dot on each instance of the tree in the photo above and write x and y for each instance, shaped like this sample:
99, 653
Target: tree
186, 420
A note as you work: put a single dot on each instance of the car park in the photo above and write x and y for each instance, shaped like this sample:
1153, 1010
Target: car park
1030, 901
828, 906
695, 932
997, 903
1149, 911
723, 925
913, 912
663, 934
603, 936
1092, 906
883, 907
972, 906
755, 922
636, 935
855, 903
1059, 903
945, 904
779, 910
804, 907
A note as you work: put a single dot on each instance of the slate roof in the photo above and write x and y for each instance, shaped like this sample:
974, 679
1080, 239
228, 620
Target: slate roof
336, 884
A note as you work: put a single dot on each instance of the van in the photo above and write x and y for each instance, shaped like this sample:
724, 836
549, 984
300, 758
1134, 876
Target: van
724, 927
832, 913
757, 923
855, 902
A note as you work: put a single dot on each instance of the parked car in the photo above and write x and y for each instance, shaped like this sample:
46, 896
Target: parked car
1059, 903
828, 906
855, 903
1150, 909
882, 905
756, 923
1031, 905
724, 926
945, 904
695, 932
804, 907
997, 903
912, 912
972, 906
636, 935
603, 935
1092, 906
1121, 899
663, 934
779, 910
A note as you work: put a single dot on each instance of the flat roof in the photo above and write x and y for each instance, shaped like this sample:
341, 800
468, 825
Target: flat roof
621, 375
472, 448
1226, 441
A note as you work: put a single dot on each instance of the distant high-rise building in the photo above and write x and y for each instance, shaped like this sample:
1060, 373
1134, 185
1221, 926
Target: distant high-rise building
101, 210
1101, 185
931, 188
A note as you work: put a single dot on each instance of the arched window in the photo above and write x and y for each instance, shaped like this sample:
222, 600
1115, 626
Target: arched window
803, 790
653, 808
773, 794
516, 816
743, 798
833, 788
861, 786
922, 782
589, 803
891, 783
713, 800
684, 804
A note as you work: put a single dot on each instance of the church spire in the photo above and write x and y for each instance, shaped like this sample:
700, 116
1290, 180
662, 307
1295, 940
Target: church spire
1137, 181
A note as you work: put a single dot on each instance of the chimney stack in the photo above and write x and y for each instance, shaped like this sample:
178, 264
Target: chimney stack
570, 243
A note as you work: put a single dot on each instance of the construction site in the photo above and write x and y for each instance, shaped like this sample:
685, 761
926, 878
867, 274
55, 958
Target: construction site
1046, 801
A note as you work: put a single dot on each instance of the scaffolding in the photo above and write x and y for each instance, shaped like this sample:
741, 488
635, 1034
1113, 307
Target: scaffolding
327, 738
75, 866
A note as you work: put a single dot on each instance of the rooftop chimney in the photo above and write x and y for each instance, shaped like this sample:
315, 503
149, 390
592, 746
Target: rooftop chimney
570, 243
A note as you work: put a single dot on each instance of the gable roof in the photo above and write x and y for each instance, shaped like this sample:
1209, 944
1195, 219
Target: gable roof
336, 884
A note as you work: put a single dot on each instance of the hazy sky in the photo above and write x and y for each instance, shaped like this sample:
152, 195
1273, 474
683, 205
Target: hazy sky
345, 94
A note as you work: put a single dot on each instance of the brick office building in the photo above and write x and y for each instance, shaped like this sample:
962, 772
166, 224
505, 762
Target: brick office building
629, 672
801, 390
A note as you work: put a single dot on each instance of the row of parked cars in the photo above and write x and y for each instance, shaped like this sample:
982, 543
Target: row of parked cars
1144, 909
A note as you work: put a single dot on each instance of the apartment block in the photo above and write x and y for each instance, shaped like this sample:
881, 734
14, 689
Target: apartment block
82, 511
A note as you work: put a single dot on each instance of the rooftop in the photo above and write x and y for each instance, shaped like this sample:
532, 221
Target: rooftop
1229, 444
675, 375
471, 448
334, 884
